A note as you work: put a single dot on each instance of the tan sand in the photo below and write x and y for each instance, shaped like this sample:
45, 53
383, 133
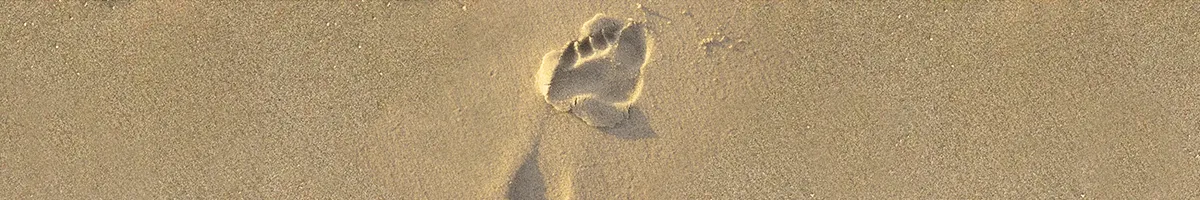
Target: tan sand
758, 100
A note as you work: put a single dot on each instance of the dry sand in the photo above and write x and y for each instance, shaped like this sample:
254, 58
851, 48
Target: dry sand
759, 100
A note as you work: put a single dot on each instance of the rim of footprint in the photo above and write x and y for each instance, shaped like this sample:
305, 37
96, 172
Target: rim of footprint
598, 76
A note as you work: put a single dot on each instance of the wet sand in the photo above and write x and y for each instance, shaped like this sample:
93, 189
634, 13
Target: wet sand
436, 100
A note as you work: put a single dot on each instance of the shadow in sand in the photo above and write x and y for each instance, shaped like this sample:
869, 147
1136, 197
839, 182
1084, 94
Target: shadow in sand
637, 126
529, 182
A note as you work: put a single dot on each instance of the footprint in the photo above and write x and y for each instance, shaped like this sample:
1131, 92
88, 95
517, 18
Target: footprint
597, 76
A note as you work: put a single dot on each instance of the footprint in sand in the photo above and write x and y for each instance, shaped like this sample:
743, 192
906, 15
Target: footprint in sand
597, 76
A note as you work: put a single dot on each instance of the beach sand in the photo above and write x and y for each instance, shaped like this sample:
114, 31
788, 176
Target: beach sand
740, 100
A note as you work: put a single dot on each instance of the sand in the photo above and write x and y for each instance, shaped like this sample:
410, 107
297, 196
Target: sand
740, 100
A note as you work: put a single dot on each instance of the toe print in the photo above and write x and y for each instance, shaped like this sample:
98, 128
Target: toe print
597, 76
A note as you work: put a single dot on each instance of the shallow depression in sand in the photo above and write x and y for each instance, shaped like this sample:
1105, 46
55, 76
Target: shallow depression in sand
597, 76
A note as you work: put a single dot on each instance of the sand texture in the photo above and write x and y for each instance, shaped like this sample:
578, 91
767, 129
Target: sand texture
599, 100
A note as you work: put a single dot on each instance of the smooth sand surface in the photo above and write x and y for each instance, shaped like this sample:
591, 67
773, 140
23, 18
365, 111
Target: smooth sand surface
760, 100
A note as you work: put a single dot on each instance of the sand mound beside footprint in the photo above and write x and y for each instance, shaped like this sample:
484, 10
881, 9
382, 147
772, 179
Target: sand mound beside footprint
597, 76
